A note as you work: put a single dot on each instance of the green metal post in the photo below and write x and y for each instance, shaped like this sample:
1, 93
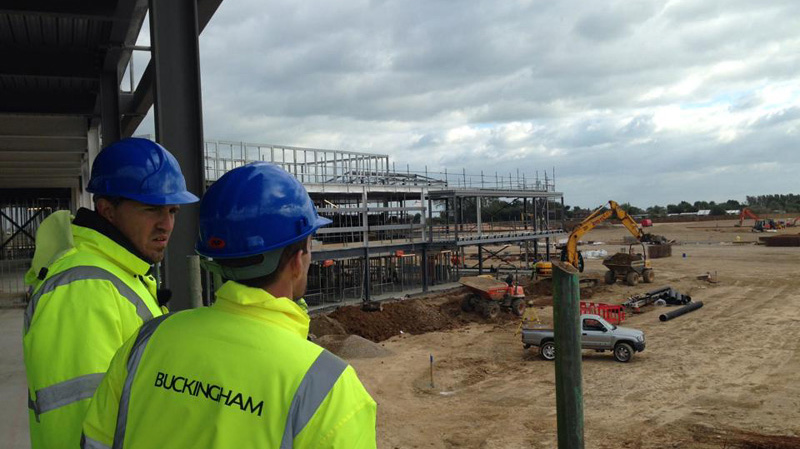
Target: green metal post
569, 389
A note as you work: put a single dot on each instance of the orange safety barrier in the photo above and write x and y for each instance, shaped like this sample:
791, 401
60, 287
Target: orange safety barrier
613, 313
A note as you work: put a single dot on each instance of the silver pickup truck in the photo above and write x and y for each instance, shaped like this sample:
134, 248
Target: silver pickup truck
596, 333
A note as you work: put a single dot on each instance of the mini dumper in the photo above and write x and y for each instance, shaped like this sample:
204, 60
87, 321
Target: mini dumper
488, 296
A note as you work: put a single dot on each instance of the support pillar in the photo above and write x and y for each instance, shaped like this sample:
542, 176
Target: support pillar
569, 388
547, 248
425, 268
366, 294
480, 259
478, 213
179, 123
109, 108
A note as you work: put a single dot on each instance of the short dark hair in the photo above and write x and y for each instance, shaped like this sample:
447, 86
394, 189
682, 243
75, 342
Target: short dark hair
262, 281
114, 200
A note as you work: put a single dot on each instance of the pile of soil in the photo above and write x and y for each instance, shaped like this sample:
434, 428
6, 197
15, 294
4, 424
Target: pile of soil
352, 347
323, 325
415, 316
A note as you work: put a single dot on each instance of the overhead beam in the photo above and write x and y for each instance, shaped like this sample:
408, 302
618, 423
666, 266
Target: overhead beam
16, 143
88, 9
47, 102
143, 95
31, 182
42, 125
81, 63
11, 172
34, 157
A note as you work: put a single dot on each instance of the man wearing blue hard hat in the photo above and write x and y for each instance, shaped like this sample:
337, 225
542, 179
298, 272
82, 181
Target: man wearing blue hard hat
95, 287
240, 373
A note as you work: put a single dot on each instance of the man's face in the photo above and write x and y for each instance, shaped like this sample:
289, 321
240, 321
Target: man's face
301, 281
147, 226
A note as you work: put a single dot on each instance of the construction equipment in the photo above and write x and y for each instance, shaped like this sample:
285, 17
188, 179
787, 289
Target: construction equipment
570, 253
761, 224
664, 295
629, 267
489, 295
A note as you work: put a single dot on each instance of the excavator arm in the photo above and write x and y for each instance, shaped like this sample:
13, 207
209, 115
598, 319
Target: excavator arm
571, 254
747, 213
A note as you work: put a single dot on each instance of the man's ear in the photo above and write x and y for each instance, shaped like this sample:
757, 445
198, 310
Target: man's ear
105, 209
296, 263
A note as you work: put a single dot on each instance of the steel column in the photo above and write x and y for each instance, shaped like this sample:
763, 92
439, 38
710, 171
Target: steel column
425, 268
109, 107
179, 122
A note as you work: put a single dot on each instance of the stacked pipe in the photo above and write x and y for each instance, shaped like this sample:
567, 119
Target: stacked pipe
683, 310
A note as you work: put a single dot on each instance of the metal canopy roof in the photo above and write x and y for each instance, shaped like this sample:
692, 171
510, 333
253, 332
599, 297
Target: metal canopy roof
54, 55
55, 52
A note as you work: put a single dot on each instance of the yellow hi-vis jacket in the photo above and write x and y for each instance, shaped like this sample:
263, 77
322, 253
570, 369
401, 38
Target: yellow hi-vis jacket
238, 374
94, 297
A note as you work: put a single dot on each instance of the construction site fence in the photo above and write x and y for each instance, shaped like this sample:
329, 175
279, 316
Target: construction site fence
338, 281
19, 221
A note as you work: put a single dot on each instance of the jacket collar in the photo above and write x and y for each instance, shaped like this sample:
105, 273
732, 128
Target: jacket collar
261, 304
93, 231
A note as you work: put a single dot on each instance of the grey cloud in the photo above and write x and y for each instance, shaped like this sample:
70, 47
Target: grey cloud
588, 77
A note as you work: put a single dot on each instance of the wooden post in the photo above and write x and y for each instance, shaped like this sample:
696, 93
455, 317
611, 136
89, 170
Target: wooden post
569, 389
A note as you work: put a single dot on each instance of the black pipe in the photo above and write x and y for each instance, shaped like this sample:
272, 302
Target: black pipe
685, 309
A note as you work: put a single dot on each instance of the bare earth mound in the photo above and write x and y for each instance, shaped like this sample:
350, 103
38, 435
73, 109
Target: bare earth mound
352, 347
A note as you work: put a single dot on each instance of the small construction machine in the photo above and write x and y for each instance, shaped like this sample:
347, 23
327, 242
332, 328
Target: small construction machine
489, 295
629, 267
760, 224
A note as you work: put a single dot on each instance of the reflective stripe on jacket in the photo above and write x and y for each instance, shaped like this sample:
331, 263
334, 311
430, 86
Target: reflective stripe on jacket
92, 300
237, 374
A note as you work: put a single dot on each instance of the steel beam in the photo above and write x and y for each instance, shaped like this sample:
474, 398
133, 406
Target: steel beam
144, 97
87, 9
109, 107
179, 122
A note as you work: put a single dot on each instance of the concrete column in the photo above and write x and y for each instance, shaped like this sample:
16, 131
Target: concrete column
179, 123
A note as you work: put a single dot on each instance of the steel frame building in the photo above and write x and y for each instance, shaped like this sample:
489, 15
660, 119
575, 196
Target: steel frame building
393, 230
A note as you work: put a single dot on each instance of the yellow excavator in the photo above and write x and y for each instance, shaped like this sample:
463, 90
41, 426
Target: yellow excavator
570, 253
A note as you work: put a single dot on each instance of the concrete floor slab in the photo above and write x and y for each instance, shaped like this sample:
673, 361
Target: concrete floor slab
13, 385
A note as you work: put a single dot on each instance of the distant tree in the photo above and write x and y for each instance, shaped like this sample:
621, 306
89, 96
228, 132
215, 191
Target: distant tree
630, 209
701, 205
673, 209
684, 206
656, 211
717, 210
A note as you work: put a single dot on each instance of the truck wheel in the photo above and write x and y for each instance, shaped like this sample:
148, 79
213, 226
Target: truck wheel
648, 276
632, 278
466, 304
548, 350
491, 310
517, 306
623, 352
610, 277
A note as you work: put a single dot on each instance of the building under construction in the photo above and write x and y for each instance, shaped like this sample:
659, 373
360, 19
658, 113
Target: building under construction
395, 230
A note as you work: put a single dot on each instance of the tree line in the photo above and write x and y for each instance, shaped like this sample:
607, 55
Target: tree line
760, 204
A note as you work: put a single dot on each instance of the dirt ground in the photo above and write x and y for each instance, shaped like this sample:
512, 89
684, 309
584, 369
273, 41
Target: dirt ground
725, 376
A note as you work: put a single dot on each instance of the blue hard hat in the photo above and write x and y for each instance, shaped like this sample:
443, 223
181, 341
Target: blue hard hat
253, 210
140, 170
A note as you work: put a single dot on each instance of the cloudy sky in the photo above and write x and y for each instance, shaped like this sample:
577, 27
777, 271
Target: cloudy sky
640, 101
